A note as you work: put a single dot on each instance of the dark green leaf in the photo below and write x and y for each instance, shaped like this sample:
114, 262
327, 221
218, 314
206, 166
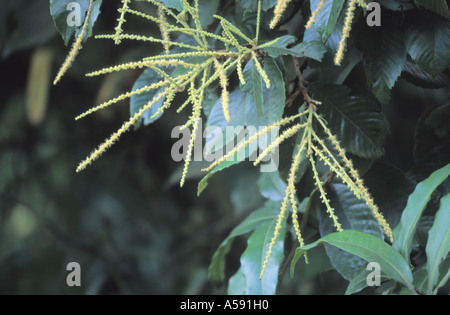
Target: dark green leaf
438, 245
353, 119
390, 188
404, 232
59, 12
371, 249
252, 5
384, 57
396, 5
437, 6
432, 143
427, 40
204, 182
415, 75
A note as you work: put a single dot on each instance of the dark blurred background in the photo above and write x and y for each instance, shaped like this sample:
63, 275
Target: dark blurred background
124, 219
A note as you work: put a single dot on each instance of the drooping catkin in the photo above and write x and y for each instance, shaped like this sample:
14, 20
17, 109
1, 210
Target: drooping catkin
345, 32
76, 47
280, 7
314, 14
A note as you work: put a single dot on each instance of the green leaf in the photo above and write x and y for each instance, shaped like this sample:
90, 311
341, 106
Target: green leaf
390, 188
271, 186
327, 17
384, 57
359, 282
174, 4
275, 96
252, 5
444, 272
304, 164
427, 40
137, 101
415, 75
280, 47
353, 214
437, 6
236, 284
311, 49
252, 260
420, 279
59, 12
257, 219
204, 181
371, 249
431, 143
396, 5
361, 130
404, 232
438, 244
243, 111
207, 9
253, 85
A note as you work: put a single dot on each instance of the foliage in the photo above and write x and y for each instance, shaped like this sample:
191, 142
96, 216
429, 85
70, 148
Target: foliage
328, 84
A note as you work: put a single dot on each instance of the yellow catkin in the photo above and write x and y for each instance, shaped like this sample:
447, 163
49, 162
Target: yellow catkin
195, 119
252, 138
239, 71
291, 190
285, 135
115, 136
258, 22
261, 70
145, 38
141, 64
289, 196
187, 161
280, 7
328, 158
281, 216
76, 47
223, 83
122, 97
314, 14
323, 196
121, 20
362, 3
358, 182
345, 32
167, 102
163, 28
